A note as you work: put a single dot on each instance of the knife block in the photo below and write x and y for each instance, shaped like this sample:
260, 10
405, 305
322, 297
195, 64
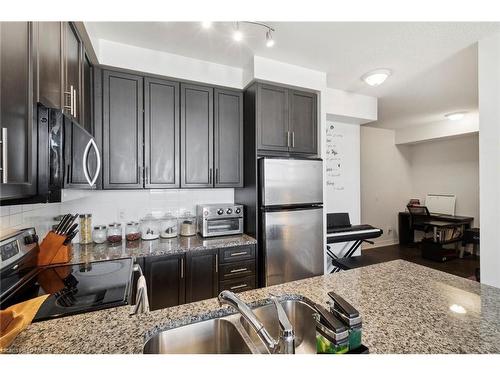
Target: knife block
53, 250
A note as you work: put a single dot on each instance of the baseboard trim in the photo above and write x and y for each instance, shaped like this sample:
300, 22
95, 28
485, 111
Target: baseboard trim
380, 244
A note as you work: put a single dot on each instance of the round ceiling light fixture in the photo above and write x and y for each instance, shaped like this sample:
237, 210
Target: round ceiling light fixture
455, 116
376, 77
206, 24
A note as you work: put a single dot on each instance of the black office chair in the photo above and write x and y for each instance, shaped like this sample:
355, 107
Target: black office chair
419, 216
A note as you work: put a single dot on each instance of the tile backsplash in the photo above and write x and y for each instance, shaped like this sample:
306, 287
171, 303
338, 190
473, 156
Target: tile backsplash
107, 206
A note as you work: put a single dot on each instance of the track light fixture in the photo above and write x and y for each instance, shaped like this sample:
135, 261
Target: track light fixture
238, 35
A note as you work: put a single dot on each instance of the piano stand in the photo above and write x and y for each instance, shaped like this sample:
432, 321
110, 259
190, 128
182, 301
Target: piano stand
355, 246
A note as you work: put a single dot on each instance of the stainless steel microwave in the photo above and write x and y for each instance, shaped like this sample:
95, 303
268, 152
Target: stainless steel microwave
219, 219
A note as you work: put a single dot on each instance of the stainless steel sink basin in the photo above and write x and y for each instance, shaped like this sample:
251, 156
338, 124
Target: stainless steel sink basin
300, 315
233, 335
215, 336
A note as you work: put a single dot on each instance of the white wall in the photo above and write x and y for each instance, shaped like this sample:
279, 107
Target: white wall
167, 64
439, 130
448, 166
349, 107
385, 181
489, 158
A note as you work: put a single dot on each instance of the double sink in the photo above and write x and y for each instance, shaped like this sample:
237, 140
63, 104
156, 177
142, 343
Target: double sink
233, 335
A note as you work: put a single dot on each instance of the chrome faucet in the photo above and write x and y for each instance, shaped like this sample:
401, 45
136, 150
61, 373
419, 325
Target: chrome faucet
286, 338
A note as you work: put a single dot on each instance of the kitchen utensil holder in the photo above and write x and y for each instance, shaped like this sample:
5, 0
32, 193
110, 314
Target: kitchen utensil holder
53, 250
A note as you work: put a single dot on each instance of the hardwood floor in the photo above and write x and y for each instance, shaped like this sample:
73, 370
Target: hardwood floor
465, 267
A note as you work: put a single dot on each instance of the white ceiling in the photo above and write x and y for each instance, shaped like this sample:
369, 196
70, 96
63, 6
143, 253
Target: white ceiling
434, 64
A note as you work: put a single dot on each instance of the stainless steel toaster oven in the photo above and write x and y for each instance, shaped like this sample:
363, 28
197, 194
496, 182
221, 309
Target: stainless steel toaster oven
219, 219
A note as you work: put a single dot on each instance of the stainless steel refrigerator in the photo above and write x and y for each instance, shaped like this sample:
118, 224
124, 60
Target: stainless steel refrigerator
291, 216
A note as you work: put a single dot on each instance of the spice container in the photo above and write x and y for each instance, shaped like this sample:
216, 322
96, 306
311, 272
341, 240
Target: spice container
99, 234
168, 226
85, 228
187, 224
114, 232
150, 228
132, 232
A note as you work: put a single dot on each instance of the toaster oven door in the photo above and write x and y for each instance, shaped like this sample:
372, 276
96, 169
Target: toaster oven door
222, 226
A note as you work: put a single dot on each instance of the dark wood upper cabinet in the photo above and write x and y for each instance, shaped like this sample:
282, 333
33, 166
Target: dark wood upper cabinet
72, 59
122, 130
272, 118
50, 59
162, 133
202, 275
303, 122
228, 138
196, 136
165, 280
18, 128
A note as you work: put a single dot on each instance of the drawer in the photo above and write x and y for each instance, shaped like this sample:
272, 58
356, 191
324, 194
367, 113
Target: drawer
236, 270
238, 285
235, 254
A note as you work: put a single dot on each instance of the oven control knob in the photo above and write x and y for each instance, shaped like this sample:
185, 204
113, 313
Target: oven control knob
229, 211
237, 211
220, 211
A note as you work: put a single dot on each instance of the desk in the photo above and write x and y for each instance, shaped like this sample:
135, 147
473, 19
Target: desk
406, 235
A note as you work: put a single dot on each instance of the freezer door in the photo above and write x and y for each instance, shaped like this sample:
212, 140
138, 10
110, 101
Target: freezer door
291, 181
293, 244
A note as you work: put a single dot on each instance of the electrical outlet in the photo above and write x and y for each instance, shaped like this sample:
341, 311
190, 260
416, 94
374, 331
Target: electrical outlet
389, 230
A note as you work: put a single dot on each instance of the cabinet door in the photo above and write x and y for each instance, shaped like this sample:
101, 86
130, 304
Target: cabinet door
202, 276
165, 281
162, 133
72, 71
303, 122
272, 115
196, 136
18, 130
228, 135
122, 130
87, 93
50, 62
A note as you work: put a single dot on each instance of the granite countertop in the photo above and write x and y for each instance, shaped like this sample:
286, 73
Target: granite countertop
129, 249
405, 309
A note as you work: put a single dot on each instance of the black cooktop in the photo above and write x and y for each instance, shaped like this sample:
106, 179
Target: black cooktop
75, 289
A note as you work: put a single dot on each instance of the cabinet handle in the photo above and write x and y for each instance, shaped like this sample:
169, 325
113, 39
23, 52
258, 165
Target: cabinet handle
70, 106
238, 286
146, 177
238, 270
74, 106
240, 253
141, 174
210, 172
182, 268
217, 175
4, 156
216, 263
287, 139
293, 139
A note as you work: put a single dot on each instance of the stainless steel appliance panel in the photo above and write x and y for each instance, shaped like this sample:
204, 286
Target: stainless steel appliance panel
291, 181
293, 244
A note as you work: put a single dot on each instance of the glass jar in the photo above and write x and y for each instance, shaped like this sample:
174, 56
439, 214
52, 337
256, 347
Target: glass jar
114, 233
150, 228
168, 226
99, 234
85, 228
132, 232
187, 224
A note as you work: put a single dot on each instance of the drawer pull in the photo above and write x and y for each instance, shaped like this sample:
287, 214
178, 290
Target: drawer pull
238, 286
238, 270
240, 253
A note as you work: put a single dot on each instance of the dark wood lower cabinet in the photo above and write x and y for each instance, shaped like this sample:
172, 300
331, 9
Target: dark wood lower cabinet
183, 278
202, 275
165, 280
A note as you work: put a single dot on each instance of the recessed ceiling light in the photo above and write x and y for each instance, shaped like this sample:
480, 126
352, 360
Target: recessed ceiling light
269, 40
376, 77
206, 24
458, 309
455, 116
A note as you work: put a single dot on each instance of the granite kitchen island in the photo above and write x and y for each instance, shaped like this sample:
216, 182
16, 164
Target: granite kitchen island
406, 308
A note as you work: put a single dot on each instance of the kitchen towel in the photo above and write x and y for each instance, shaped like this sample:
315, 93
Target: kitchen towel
16, 318
141, 284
